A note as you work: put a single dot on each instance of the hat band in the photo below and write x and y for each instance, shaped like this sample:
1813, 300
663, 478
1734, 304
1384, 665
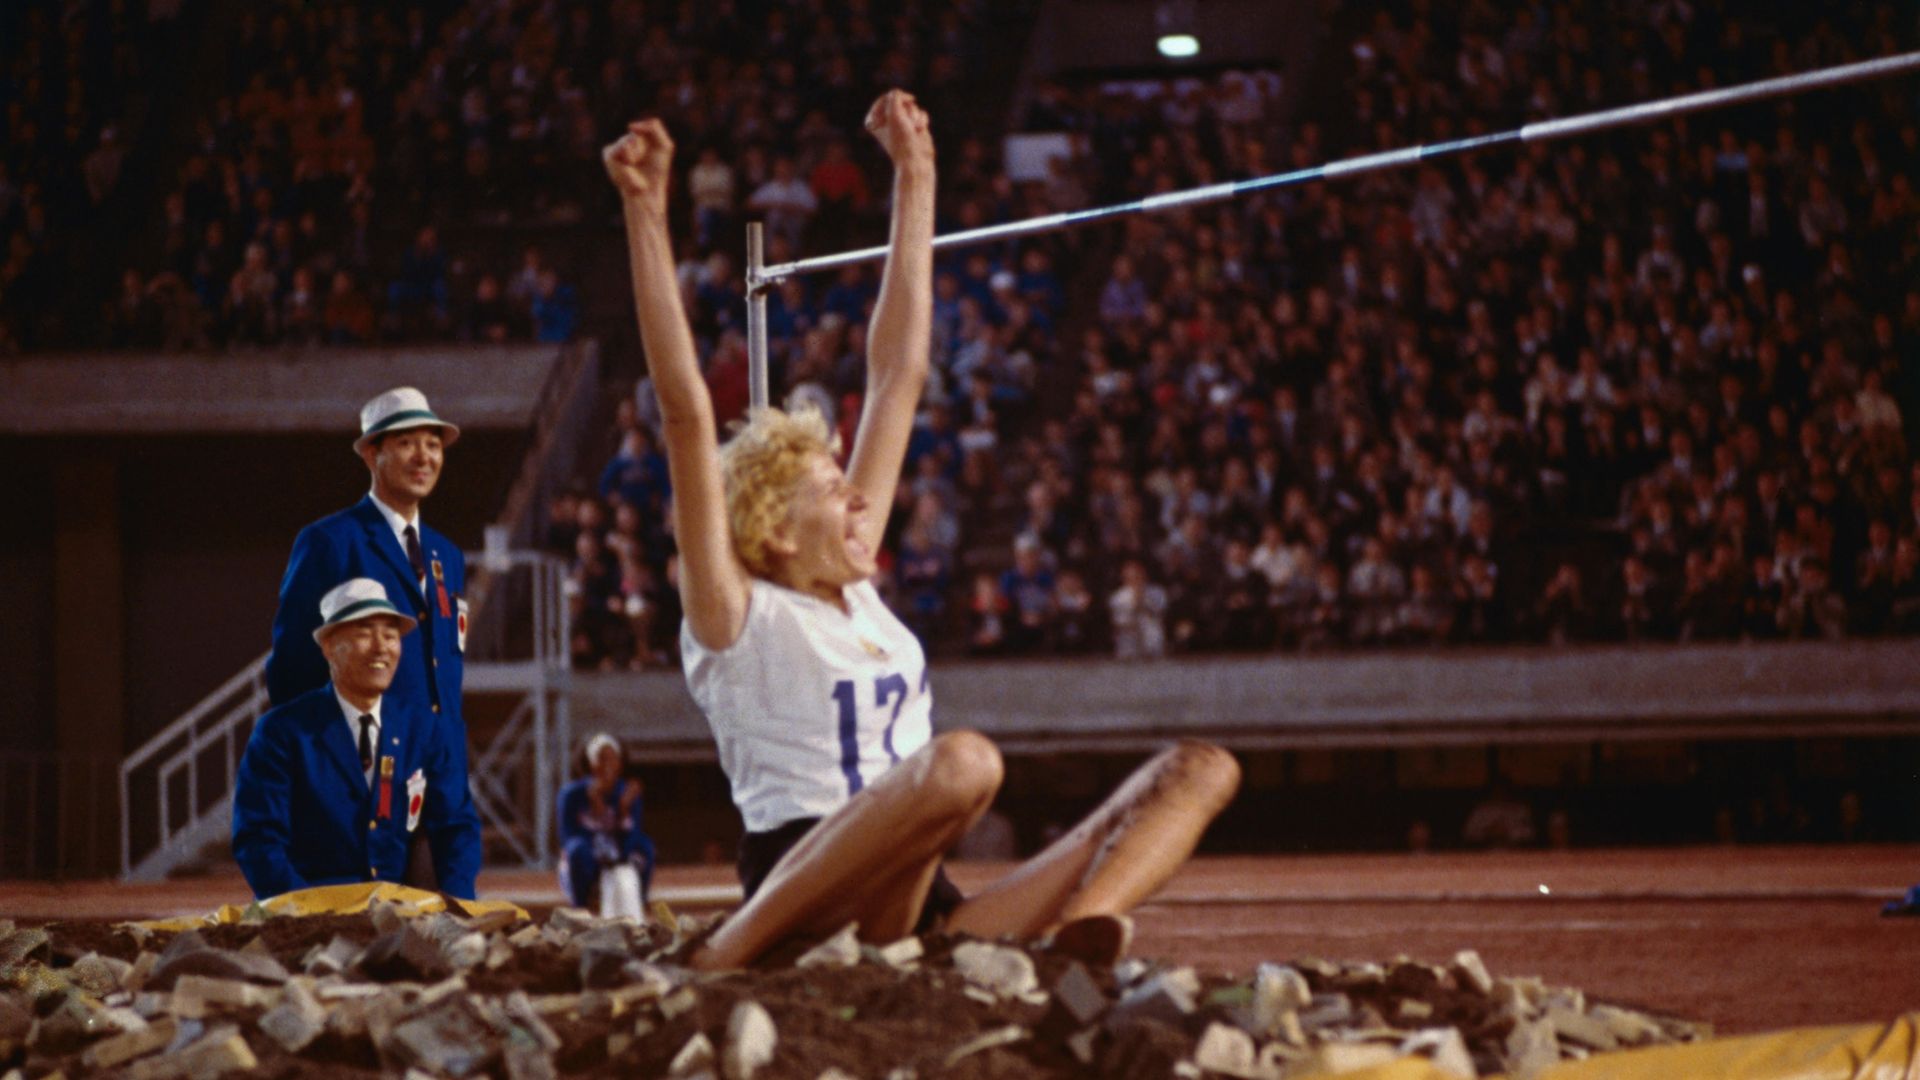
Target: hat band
354, 609
403, 417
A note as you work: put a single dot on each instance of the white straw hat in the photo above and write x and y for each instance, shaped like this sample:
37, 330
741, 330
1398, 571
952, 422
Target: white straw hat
396, 410
354, 599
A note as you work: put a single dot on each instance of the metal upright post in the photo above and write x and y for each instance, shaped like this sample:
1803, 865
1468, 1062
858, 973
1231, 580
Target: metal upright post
544, 766
756, 315
548, 767
562, 738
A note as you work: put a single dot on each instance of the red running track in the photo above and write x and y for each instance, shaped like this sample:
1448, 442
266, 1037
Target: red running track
1749, 939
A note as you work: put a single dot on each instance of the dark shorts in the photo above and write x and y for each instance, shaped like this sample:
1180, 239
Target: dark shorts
759, 851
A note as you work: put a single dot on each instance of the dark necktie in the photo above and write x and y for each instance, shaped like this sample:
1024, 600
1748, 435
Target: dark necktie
366, 743
413, 556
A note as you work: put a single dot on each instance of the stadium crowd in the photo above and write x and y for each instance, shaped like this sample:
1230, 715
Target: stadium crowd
72, 97
351, 137
1363, 414
1652, 386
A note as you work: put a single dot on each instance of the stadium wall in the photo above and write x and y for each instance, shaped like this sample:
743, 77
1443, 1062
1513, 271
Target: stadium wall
1376, 699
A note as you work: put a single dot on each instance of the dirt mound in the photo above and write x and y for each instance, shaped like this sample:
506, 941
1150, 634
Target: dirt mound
389, 990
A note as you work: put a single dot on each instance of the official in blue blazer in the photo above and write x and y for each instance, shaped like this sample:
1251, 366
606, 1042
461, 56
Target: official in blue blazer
382, 537
335, 783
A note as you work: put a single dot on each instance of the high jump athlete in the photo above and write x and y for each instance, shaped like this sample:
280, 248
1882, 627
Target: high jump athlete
816, 693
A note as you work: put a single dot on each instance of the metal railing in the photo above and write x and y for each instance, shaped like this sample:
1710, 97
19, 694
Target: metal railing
514, 776
174, 758
186, 772
560, 419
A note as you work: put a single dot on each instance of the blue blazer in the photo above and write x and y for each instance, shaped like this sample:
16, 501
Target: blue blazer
304, 814
356, 542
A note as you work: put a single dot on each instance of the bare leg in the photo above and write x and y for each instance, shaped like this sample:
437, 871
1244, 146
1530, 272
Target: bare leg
872, 860
896, 904
1119, 855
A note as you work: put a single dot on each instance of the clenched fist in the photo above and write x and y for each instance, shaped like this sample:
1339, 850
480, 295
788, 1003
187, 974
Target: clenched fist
901, 126
638, 163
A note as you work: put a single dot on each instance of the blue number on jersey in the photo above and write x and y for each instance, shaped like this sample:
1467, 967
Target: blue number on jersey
894, 686
849, 734
886, 687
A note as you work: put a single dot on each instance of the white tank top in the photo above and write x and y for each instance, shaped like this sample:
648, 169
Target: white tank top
811, 703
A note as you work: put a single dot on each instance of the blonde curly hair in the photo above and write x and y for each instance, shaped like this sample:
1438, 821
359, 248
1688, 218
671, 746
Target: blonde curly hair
760, 466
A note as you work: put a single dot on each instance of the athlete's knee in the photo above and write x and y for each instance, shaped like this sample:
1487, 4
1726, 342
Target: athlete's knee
965, 770
1204, 770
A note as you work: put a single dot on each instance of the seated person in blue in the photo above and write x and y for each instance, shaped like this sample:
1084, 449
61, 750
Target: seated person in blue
336, 781
601, 825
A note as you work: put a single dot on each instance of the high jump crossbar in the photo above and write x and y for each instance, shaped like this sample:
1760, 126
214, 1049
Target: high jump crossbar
761, 277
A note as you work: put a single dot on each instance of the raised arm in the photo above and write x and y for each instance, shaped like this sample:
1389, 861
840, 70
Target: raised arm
903, 318
713, 584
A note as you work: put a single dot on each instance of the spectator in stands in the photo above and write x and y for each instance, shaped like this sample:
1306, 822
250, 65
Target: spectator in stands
1760, 601
133, 319
636, 476
1246, 619
1027, 587
488, 318
1138, 611
348, 318
1190, 558
785, 201
1562, 612
1708, 606
1813, 609
300, 310
555, 310
594, 601
1078, 627
710, 184
1642, 608
1124, 298
839, 187
1326, 616
988, 609
1479, 615
418, 298
922, 574
1426, 616
250, 301
1375, 589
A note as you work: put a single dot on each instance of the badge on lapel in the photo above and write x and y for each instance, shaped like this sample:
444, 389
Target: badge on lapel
460, 621
440, 589
385, 809
416, 797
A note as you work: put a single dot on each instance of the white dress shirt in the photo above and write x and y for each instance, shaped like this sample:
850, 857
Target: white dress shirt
353, 730
399, 526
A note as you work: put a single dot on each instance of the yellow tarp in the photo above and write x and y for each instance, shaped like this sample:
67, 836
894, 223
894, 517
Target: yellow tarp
1403, 1069
1889, 1051
339, 900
